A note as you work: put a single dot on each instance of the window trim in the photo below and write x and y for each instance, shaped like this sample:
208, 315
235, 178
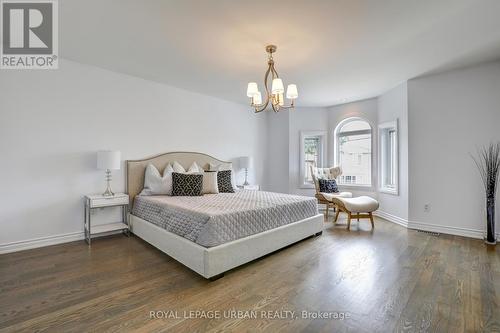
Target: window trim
382, 128
336, 155
323, 157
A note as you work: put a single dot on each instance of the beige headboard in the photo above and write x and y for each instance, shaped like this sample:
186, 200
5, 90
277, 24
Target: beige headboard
136, 168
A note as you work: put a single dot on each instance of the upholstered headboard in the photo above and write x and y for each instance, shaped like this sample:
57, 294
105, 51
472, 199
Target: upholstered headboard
136, 168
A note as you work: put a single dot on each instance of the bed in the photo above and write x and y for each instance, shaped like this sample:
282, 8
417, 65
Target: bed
216, 232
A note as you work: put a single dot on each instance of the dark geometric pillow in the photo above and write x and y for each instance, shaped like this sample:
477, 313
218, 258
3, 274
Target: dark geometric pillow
187, 184
328, 186
224, 181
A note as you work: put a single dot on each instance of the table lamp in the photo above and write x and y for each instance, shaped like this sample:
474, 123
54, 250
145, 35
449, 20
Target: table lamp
108, 160
246, 162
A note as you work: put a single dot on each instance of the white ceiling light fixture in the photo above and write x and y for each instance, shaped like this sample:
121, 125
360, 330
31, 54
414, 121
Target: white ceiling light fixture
274, 96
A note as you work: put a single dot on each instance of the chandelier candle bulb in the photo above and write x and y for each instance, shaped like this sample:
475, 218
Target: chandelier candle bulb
277, 86
257, 98
281, 99
291, 91
252, 89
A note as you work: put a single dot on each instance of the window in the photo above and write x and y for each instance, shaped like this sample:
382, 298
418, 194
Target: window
312, 153
388, 166
354, 152
348, 179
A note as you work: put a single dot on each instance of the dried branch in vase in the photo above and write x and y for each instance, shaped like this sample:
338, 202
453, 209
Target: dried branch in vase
488, 164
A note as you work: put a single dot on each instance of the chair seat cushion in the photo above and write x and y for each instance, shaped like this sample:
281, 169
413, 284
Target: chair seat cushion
361, 204
330, 196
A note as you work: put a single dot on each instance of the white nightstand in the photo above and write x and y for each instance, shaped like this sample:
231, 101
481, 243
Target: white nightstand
99, 201
249, 187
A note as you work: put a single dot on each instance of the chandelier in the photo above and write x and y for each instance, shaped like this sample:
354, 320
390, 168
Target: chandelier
275, 96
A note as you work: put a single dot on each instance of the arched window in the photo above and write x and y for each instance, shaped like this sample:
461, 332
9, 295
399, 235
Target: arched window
353, 153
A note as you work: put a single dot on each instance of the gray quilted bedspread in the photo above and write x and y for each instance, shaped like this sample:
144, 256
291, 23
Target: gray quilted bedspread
215, 219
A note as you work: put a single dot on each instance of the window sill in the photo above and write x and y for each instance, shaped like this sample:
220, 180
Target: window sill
356, 187
389, 191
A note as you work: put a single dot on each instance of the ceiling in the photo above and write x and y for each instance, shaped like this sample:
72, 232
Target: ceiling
335, 51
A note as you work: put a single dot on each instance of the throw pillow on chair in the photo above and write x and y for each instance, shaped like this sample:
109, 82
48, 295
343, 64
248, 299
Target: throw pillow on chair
328, 186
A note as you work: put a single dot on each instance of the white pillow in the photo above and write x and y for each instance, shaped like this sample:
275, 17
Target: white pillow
210, 182
155, 184
178, 168
195, 168
214, 167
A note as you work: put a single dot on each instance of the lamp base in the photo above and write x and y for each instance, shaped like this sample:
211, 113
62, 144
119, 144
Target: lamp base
108, 192
246, 177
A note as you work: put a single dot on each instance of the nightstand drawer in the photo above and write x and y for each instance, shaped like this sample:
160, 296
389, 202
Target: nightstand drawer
100, 201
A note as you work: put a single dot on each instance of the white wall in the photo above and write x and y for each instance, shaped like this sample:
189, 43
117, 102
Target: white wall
53, 122
366, 109
450, 115
391, 106
277, 166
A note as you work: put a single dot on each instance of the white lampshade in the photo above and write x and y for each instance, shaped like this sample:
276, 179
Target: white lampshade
282, 100
108, 160
257, 98
252, 89
277, 87
246, 162
291, 91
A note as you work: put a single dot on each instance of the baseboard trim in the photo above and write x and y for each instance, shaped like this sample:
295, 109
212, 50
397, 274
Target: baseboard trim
391, 218
40, 242
457, 231
414, 225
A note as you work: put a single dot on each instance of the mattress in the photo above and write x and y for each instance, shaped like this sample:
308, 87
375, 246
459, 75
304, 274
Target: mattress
215, 219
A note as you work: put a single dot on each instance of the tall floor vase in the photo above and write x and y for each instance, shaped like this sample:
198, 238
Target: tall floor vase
488, 164
490, 220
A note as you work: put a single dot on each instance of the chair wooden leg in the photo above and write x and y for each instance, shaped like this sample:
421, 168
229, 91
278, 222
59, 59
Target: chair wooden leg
371, 220
327, 206
358, 216
336, 215
349, 221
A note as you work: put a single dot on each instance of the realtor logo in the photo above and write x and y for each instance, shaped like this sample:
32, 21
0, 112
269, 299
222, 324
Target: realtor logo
29, 34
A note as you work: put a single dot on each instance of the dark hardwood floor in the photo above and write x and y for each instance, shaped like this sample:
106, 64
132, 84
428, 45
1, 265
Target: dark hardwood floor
391, 279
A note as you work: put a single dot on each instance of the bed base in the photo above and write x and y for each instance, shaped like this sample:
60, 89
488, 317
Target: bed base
212, 262
216, 277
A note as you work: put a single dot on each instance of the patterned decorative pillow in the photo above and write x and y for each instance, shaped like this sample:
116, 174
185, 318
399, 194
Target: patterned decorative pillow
224, 181
187, 184
328, 186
